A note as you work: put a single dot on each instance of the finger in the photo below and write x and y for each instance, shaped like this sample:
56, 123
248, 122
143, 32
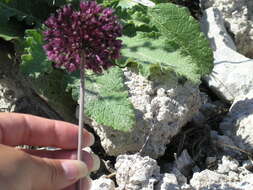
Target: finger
16, 129
92, 161
57, 174
31, 172
57, 154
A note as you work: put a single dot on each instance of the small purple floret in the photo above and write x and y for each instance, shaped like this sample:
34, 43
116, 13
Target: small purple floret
92, 30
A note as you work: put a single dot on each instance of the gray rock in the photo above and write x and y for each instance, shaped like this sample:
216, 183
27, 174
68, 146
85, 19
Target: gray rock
135, 172
181, 179
212, 24
18, 95
7, 99
103, 183
238, 124
229, 176
163, 103
232, 73
184, 163
238, 15
168, 182
225, 143
227, 165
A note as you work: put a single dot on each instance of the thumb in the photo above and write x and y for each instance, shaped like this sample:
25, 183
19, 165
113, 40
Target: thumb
57, 174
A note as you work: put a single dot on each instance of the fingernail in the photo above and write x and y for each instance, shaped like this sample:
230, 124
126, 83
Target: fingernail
74, 169
92, 139
96, 162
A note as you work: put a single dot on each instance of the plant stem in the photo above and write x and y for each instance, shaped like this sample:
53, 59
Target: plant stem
81, 116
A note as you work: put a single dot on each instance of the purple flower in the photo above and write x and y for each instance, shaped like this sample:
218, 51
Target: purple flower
93, 30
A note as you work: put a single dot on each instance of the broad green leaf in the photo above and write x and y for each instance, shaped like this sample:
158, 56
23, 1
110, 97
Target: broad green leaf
34, 61
176, 24
126, 4
49, 83
28, 11
106, 99
15, 15
156, 56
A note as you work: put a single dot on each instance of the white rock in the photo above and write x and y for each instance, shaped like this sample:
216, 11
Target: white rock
232, 73
181, 179
238, 15
227, 165
227, 177
238, 124
135, 172
213, 26
207, 180
210, 180
142, 173
9, 95
162, 101
103, 183
168, 182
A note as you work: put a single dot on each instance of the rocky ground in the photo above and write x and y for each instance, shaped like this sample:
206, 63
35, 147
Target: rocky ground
199, 137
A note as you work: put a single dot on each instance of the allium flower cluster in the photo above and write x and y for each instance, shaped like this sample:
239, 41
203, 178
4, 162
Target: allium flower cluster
93, 30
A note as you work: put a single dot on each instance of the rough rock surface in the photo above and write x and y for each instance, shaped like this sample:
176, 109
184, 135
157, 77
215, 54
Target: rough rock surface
232, 73
7, 99
238, 15
228, 176
238, 124
168, 181
103, 183
16, 95
224, 143
136, 172
162, 102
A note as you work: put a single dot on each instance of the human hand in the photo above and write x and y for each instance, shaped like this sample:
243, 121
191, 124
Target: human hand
42, 170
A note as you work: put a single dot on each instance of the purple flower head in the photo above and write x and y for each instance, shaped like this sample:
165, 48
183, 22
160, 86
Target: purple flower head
93, 30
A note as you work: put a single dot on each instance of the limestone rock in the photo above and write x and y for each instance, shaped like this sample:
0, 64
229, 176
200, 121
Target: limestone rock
238, 15
103, 183
238, 124
16, 94
232, 73
228, 176
163, 103
168, 181
136, 172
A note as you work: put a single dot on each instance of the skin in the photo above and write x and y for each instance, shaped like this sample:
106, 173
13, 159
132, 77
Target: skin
34, 169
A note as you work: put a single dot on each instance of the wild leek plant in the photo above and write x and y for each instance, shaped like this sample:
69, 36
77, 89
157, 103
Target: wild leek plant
83, 39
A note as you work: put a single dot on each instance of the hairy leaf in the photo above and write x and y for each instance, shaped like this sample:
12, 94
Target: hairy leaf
106, 96
49, 83
34, 61
175, 23
29, 11
52, 87
125, 4
154, 56
15, 15
106, 99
